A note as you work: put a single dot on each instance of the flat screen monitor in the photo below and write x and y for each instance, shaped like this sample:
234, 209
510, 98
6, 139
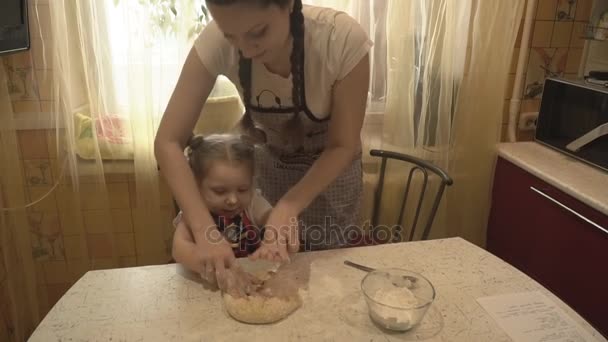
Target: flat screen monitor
14, 30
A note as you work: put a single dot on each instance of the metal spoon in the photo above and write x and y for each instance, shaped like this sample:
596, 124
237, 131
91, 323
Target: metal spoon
399, 281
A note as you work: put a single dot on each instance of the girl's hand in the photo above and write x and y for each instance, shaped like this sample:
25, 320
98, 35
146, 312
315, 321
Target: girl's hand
280, 237
214, 256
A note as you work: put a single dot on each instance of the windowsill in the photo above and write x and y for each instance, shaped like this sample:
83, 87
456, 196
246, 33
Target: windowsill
90, 167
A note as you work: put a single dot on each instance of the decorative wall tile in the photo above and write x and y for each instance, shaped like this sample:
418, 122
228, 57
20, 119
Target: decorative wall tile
566, 10
21, 79
46, 239
38, 172
543, 63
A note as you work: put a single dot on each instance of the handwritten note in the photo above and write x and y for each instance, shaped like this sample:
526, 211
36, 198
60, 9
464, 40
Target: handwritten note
533, 317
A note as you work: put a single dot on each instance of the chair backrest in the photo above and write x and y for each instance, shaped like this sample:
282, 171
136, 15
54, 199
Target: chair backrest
418, 165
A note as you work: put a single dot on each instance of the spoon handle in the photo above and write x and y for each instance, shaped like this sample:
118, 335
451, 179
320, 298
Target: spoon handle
358, 266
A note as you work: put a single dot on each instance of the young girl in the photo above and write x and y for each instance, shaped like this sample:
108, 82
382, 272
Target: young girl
223, 167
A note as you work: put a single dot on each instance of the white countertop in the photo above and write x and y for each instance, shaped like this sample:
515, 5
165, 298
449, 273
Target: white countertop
576, 178
158, 303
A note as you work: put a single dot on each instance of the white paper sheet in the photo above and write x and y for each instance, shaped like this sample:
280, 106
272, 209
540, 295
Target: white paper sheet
533, 317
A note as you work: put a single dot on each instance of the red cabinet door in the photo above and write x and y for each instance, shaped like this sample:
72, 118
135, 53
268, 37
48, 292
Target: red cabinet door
573, 255
511, 233
552, 237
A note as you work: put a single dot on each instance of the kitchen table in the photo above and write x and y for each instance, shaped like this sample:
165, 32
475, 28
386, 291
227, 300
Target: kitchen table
163, 303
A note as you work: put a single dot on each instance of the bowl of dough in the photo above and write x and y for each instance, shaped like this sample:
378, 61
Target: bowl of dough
275, 298
397, 299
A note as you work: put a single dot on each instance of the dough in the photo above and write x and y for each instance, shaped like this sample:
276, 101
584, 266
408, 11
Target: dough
259, 309
278, 296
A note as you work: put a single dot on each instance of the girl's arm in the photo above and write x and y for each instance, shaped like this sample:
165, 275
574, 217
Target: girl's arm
184, 248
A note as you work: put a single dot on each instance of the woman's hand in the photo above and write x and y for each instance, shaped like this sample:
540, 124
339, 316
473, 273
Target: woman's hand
214, 255
238, 283
281, 235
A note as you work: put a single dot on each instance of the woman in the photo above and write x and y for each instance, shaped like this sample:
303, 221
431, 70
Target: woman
303, 75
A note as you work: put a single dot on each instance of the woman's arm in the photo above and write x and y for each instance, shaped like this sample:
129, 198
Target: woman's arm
348, 111
192, 89
344, 143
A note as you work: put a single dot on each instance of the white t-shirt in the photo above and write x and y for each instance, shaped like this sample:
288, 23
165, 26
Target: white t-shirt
334, 43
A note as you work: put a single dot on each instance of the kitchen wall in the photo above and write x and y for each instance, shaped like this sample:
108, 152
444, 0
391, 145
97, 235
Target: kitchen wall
556, 47
66, 228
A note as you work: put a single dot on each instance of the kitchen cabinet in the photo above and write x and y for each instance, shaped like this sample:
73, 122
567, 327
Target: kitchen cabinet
554, 238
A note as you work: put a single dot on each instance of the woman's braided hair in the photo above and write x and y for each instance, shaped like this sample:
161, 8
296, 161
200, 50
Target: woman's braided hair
292, 127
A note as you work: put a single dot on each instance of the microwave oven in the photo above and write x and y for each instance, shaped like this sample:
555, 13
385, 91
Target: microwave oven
573, 119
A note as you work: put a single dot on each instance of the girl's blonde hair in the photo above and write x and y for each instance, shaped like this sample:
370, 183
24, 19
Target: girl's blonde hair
202, 151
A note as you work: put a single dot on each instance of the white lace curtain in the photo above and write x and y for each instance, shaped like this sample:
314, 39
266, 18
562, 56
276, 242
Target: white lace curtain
372, 15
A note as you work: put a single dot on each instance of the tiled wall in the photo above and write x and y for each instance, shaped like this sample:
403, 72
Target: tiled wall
556, 47
70, 232
73, 232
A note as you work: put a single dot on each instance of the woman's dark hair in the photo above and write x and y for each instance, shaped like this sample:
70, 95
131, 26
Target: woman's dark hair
292, 128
